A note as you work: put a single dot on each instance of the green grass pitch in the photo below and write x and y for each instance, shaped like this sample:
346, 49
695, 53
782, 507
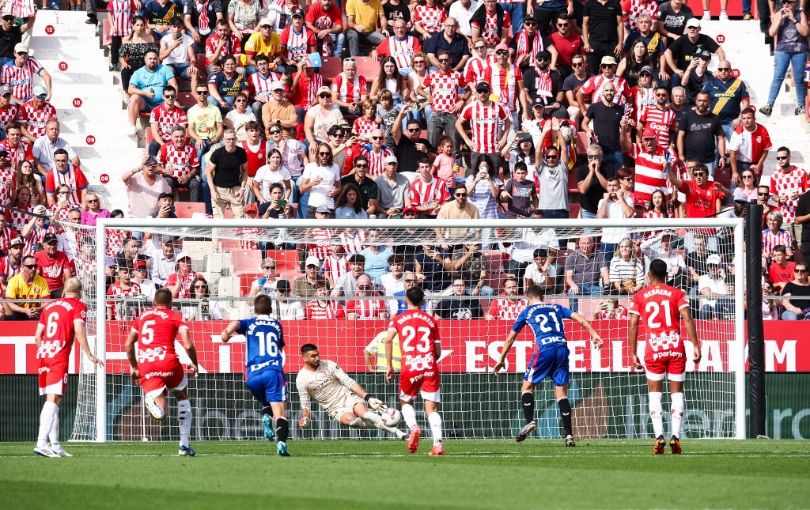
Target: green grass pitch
381, 475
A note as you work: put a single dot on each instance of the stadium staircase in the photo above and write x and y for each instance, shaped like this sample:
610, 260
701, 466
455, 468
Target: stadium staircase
87, 101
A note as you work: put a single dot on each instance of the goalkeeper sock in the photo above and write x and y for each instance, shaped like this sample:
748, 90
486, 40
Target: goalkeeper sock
184, 419
656, 412
565, 413
435, 421
409, 415
46, 416
527, 402
282, 427
53, 434
677, 413
267, 410
358, 423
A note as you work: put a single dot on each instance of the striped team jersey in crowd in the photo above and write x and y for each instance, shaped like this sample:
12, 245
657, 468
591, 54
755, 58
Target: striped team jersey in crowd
476, 67
297, 44
401, 50
353, 241
180, 160
593, 87
9, 114
117, 310
375, 159
632, 9
367, 308
349, 91
167, 119
363, 127
431, 18
121, 12
9, 268
17, 218
321, 249
335, 267
232, 47
650, 174
22, 152
35, 117
643, 99
73, 178
485, 123
490, 30
750, 145
19, 8
660, 121
506, 309
424, 192
183, 281
259, 86
788, 183
20, 79
332, 310
6, 183
771, 239
527, 46
444, 89
504, 83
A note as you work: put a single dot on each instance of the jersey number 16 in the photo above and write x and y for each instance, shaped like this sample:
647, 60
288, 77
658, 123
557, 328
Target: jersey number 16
268, 343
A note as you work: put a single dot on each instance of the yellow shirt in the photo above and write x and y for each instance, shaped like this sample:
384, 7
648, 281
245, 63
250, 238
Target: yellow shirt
256, 45
366, 14
19, 289
377, 347
205, 120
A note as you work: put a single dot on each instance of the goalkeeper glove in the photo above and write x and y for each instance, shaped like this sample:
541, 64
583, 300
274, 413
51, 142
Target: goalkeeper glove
374, 402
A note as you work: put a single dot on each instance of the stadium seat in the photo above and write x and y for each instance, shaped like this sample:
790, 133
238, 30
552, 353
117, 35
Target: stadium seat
186, 100
285, 259
494, 260
245, 281
226, 245
332, 66
573, 210
290, 275
582, 142
188, 209
245, 261
367, 68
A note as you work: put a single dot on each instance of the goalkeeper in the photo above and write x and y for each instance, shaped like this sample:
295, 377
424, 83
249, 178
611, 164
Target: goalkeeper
344, 400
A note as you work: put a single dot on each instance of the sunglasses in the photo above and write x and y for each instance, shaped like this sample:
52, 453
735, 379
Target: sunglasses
324, 153
502, 52
460, 195
800, 270
577, 64
92, 201
444, 60
364, 287
201, 92
169, 96
605, 66
414, 130
762, 194
324, 96
781, 158
275, 131
30, 266
562, 25
552, 156
724, 69
699, 174
376, 138
361, 166
593, 157
267, 268
747, 176
661, 95
530, 23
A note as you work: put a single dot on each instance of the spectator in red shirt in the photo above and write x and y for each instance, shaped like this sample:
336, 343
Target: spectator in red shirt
781, 269
54, 265
180, 281
65, 173
323, 18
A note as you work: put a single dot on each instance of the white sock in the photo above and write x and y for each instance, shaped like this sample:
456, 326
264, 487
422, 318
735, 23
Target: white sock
46, 416
656, 412
184, 419
358, 423
677, 414
375, 419
53, 434
435, 421
409, 415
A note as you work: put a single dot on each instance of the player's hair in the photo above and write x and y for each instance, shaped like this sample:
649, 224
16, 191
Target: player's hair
262, 304
658, 270
73, 286
163, 297
308, 347
415, 296
535, 291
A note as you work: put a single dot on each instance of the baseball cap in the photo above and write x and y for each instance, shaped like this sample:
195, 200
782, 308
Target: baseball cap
283, 286
323, 209
704, 54
646, 69
483, 87
669, 233
648, 133
312, 261
20, 48
693, 22
539, 100
150, 162
279, 85
391, 159
265, 21
49, 238
5, 90
529, 17
713, 259
251, 208
40, 210
138, 264
40, 91
607, 60
16, 241
297, 12
501, 46
324, 89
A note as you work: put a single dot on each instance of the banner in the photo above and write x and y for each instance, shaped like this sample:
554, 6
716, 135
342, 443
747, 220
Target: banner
467, 346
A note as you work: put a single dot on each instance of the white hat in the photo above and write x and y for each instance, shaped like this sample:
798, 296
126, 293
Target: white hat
20, 48
40, 210
713, 259
277, 85
312, 261
391, 159
264, 21
693, 22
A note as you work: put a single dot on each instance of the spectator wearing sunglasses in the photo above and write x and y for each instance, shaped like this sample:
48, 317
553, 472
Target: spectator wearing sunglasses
26, 284
728, 96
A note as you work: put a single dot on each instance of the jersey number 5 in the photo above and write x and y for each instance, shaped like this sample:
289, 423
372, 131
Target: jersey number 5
268, 343
409, 333
653, 309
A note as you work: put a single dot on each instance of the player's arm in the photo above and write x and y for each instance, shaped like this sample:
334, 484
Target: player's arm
691, 332
38, 334
356, 388
389, 352
596, 340
129, 347
507, 346
188, 345
229, 331
81, 335
632, 340
306, 403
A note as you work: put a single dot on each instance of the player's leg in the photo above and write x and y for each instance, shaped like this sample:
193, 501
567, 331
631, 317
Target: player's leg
435, 421
257, 385
371, 418
281, 426
527, 404
562, 377
655, 387
676, 411
409, 385
178, 382
51, 385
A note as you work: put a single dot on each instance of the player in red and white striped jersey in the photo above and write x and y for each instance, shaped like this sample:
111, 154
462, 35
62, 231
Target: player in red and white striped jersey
366, 303
34, 114
64, 172
486, 118
478, 64
505, 307
122, 287
400, 46
650, 162
749, 146
427, 193
349, 89
297, 41
19, 76
377, 153
660, 119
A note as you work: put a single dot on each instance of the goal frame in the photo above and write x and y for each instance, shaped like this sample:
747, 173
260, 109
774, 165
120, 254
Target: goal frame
736, 355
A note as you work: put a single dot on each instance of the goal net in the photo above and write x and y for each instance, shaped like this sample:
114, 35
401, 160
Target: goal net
335, 283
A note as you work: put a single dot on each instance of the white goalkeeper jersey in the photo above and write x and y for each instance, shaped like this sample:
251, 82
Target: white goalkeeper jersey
328, 385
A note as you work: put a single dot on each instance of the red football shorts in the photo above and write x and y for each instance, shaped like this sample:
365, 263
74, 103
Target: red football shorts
52, 378
426, 383
672, 366
160, 375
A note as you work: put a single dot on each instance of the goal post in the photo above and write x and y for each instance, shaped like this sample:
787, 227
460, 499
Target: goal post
608, 397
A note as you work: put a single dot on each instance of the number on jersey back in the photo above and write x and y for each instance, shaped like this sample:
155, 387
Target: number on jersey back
58, 319
157, 328
546, 322
418, 334
265, 343
659, 307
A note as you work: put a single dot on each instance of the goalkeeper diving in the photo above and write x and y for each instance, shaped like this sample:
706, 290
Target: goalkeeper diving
344, 400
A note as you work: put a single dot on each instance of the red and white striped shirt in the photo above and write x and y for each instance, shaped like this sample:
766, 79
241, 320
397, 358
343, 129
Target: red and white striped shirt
444, 89
115, 241
6, 183
485, 123
400, 50
297, 44
117, 309
527, 47
431, 18
183, 281
35, 116
650, 174
19, 8
259, 86
660, 121
20, 79
321, 248
335, 267
506, 309
22, 152
504, 84
771, 239
490, 30
476, 67
73, 178
17, 218
232, 47
122, 12
749, 145
8, 268
363, 127
353, 241
9, 114
634, 8
643, 99
332, 310
167, 119
34, 239
367, 308
349, 91
375, 159
180, 160
247, 237
593, 87
423, 193
786, 184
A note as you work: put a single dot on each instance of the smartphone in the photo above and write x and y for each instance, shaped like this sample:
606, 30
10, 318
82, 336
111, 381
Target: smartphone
282, 203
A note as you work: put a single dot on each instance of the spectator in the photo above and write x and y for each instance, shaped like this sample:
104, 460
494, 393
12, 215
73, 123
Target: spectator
25, 177
410, 148
428, 18
484, 188
263, 42
746, 191
552, 177
201, 307
177, 51
321, 307
130, 253
528, 42
164, 118
491, 23
672, 17
266, 176
521, 148
10, 36
507, 84
321, 180
259, 86
308, 285
277, 206
146, 87
713, 286
401, 47
489, 126
297, 41
239, 118
321, 117
445, 102
122, 302
701, 137
368, 188
696, 264
165, 208
27, 284
65, 173
394, 190
544, 84
661, 247
349, 205
780, 270
46, 146
459, 305
205, 128
278, 110
18, 149
139, 274
227, 176
787, 183
585, 271
506, 307
11, 263
450, 42
20, 75
158, 13
265, 284
92, 210
652, 164
680, 52
541, 271
728, 96
182, 168
591, 182
346, 285
697, 74
606, 116
376, 153
324, 18
802, 217
54, 265
571, 85
653, 44
679, 105
660, 118
642, 93
566, 40
615, 205
179, 282
774, 235
283, 307
366, 303
789, 27
243, 17
626, 271
219, 45
201, 20
134, 48
144, 184
798, 289
393, 282
519, 193
637, 58
467, 262
395, 10
363, 21
748, 147
224, 85
602, 30
376, 254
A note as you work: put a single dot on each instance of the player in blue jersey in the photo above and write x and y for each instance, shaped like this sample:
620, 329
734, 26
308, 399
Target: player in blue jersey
264, 368
549, 359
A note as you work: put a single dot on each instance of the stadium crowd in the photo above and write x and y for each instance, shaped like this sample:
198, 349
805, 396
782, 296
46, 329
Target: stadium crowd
594, 109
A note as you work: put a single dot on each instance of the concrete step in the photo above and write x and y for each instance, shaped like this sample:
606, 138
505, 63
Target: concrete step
92, 66
76, 43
